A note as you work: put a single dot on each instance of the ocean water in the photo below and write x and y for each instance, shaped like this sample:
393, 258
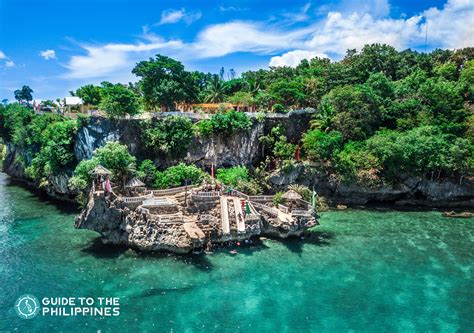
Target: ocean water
360, 271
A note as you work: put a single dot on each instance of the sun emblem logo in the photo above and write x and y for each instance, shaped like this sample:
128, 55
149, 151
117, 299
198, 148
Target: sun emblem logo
27, 306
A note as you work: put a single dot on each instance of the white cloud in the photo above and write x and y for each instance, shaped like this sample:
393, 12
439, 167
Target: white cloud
449, 27
102, 61
48, 54
232, 9
9, 63
293, 58
300, 16
176, 15
237, 36
2, 55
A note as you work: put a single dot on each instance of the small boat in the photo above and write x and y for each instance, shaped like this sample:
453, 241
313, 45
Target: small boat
459, 215
233, 252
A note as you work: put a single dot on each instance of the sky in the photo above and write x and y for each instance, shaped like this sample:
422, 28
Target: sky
55, 46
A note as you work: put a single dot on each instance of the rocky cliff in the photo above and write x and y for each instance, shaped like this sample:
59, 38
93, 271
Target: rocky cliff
409, 190
244, 149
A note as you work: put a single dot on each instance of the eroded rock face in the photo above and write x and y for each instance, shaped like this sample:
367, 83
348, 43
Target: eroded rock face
409, 191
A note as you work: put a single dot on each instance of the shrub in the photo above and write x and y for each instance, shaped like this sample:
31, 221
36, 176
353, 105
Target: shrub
169, 135
278, 108
278, 198
232, 176
115, 157
283, 149
204, 128
176, 175
146, 172
320, 145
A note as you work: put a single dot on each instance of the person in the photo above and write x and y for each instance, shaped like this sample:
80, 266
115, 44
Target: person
107, 185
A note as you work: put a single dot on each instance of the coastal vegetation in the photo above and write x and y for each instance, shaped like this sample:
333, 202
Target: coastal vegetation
380, 115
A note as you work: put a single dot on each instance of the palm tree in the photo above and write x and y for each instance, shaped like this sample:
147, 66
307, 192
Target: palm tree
322, 119
215, 90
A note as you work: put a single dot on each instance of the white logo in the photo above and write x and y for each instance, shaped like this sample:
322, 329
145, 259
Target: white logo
27, 306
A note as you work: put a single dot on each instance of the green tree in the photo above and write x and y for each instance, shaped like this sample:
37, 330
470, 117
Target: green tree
177, 175
170, 135
319, 145
115, 157
147, 172
163, 82
117, 100
24, 94
215, 91
232, 176
90, 94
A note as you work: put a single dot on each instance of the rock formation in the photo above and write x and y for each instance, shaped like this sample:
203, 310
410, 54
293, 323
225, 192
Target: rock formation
180, 222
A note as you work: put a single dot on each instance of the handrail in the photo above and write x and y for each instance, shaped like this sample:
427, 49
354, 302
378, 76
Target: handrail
283, 208
173, 190
203, 194
265, 208
300, 212
136, 199
261, 197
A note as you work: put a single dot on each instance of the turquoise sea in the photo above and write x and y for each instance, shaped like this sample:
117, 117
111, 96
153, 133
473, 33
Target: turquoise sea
360, 271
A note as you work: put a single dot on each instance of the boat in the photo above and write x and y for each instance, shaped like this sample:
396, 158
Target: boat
233, 252
459, 215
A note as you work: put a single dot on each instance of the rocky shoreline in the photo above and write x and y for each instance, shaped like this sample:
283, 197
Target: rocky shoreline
245, 149
167, 221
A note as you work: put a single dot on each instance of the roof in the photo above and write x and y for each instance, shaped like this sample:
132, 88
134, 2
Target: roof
72, 100
100, 170
135, 182
291, 195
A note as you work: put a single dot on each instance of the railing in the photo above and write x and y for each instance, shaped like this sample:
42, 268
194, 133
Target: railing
239, 194
283, 208
136, 199
170, 219
265, 208
171, 191
305, 203
252, 217
202, 194
264, 198
159, 202
301, 212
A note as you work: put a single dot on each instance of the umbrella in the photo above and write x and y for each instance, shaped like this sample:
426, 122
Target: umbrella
291, 195
135, 182
100, 170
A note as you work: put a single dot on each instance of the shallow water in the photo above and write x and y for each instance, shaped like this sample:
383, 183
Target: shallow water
370, 271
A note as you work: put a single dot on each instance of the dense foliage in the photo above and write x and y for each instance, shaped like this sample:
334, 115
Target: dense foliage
117, 100
113, 156
47, 141
177, 175
225, 123
168, 135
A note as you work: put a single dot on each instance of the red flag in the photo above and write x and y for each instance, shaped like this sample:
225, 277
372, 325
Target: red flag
297, 153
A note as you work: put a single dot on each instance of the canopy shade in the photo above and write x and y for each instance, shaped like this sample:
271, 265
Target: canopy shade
135, 182
291, 195
100, 170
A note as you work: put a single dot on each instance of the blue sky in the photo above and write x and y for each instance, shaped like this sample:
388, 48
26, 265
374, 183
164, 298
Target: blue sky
57, 46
